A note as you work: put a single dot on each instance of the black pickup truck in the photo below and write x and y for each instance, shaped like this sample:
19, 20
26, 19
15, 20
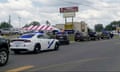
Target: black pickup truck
4, 51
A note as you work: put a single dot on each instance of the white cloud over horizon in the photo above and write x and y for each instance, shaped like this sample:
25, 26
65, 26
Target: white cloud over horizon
90, 11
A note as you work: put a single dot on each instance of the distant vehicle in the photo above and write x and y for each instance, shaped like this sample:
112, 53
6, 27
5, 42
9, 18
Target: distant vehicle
34, 42
5, 31
15, 31
62, 37
4, 51
94, 36
80, 36
105, 35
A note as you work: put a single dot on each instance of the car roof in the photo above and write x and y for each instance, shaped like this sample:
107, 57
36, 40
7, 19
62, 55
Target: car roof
34, 33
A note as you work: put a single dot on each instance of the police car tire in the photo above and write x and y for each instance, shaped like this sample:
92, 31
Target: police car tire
37, 48
56, 46
5, 54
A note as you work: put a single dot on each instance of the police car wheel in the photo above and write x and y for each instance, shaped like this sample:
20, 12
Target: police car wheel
56, 46
37, 49
4, 55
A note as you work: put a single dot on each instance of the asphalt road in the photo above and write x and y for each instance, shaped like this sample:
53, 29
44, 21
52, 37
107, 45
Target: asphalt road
103, 55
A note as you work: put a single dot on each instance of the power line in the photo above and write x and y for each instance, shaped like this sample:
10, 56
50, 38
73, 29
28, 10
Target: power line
80, 4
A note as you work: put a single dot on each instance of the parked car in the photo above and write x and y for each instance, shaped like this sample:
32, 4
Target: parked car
105, 35
4, 51
34, 42
94, 36
80, 36
62, 37
5, 31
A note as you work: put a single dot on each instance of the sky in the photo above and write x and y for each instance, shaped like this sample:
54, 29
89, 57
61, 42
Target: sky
91, 11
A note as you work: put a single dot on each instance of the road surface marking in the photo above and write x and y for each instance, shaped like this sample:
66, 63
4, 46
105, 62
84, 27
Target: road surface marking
20, 69
65, 64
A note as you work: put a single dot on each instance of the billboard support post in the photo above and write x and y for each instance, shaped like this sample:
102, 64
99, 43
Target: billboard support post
72, 22
65, 20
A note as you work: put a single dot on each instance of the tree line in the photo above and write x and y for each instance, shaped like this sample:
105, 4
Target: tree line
4, 25
97, 27
110, 27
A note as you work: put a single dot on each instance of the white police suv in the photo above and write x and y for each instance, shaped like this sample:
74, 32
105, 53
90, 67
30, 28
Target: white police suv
35, 42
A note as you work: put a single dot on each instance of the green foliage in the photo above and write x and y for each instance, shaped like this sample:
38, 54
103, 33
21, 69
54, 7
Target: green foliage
5, 25
48, 23
90, 30
26, 25
99, 27
112, 25
34, 23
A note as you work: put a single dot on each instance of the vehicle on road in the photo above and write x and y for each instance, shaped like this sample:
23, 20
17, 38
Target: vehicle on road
4, 51
5, 31
34, 42
93, 36
105, 35
80, 36
63, 38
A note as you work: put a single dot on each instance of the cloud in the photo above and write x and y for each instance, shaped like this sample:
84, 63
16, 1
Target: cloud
24, 14
90, 11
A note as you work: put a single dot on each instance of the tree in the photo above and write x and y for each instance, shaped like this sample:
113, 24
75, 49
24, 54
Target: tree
48, 23
5, 25
109, 27
99, 27
34, 23
112, 25
26, 25
90, 30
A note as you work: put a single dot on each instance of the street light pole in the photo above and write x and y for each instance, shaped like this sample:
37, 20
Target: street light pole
9, 20
19, 19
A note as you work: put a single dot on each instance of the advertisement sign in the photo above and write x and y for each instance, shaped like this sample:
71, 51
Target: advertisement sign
69, 9
69, 14
68, 26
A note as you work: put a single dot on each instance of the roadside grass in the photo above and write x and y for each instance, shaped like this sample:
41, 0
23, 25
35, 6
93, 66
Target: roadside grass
71, 37
116, 36
10, 36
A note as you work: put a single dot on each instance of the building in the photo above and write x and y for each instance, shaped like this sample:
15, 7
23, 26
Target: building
76, 26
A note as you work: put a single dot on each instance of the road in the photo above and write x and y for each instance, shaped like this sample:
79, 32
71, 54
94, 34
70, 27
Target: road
103, 55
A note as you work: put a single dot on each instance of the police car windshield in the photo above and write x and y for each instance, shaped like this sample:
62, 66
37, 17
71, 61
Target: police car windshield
27, 36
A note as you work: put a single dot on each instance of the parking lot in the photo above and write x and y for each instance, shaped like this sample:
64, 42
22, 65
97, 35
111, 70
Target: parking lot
102, 55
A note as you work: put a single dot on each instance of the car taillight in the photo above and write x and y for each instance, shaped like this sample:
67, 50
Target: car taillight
27, 41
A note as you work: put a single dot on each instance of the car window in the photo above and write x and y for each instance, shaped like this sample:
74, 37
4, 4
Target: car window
27, 36
40, 36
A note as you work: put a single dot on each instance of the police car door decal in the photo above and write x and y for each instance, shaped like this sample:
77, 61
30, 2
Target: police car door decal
50, 43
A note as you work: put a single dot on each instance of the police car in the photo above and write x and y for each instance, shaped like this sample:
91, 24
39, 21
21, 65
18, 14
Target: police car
34, 42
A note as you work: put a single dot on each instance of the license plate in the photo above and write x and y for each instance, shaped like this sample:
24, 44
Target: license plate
61, 37
17, 45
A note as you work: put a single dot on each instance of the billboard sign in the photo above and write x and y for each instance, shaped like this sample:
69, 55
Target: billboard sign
70, 14
69, 9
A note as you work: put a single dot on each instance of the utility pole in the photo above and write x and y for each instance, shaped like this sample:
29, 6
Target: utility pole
9, 20
19, 19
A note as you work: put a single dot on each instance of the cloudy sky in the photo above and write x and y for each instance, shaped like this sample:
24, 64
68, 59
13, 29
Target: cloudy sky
90, 11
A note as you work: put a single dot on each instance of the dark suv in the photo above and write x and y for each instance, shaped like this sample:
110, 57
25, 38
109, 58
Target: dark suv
94, 36
4, 51
105, 35
62, 37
